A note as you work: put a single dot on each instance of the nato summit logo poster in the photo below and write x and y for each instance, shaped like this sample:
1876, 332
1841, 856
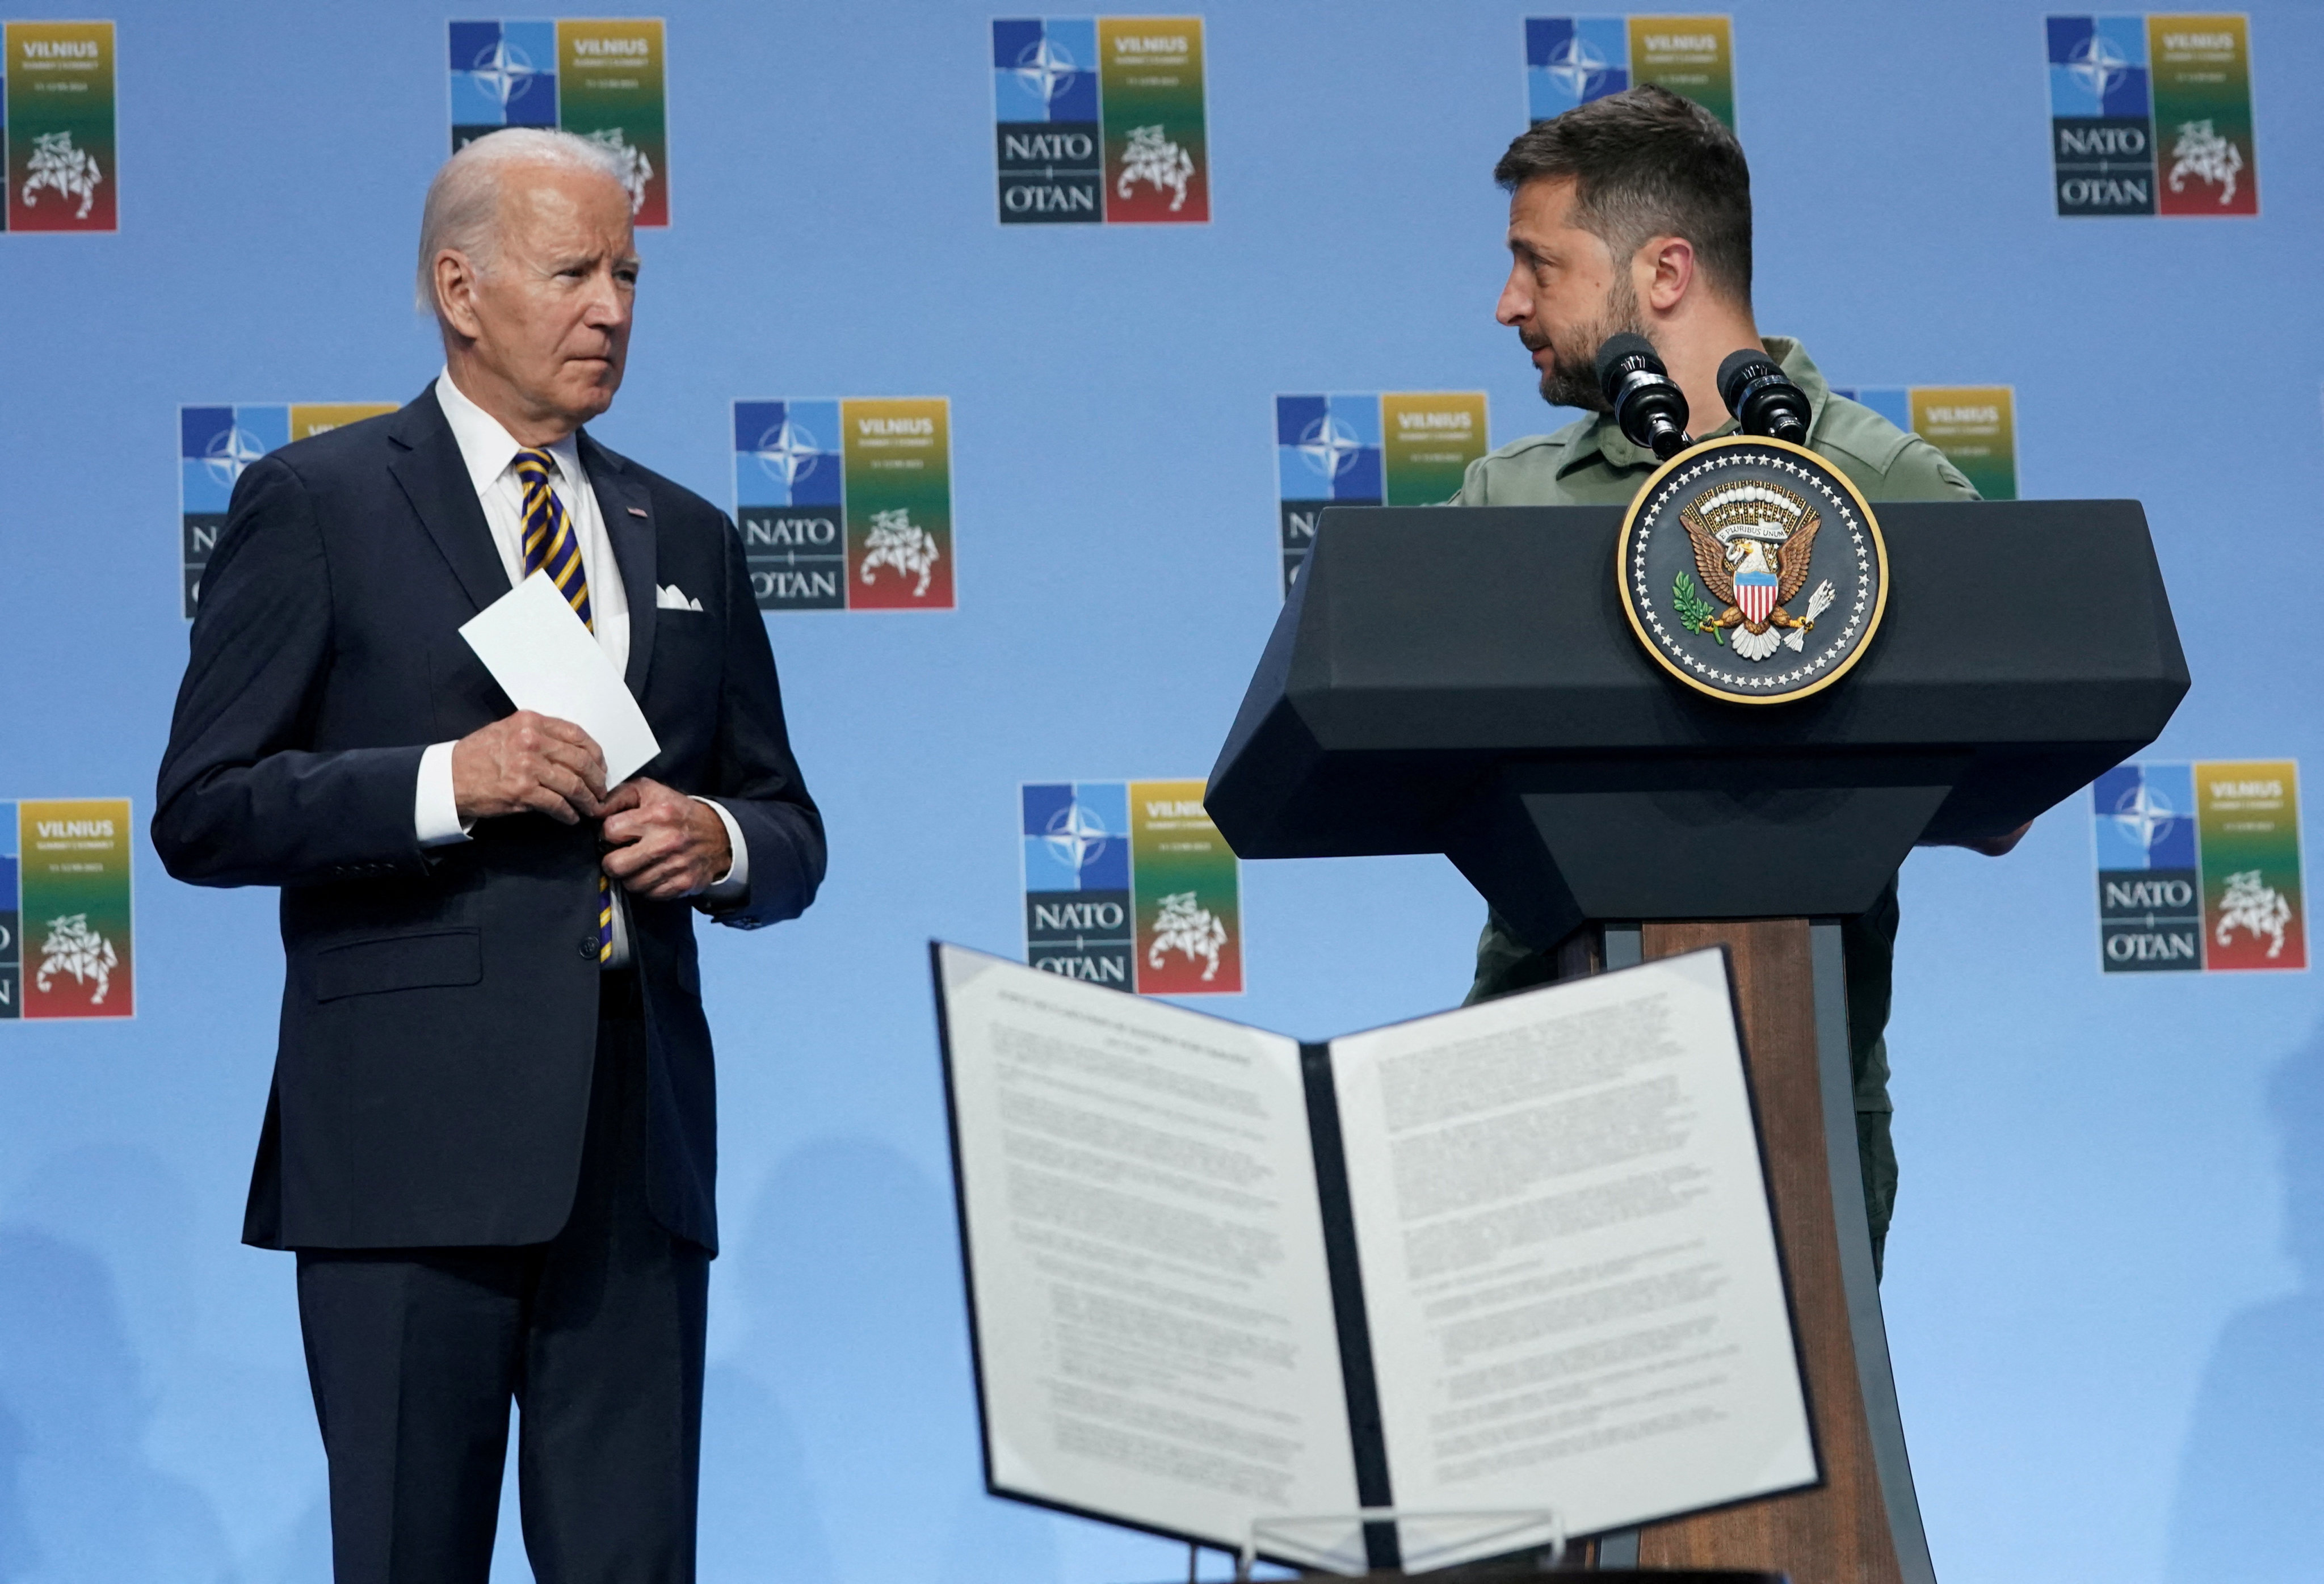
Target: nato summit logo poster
1975, 426
1100, 120
1570, 61
2199, 867
60, 116
597, 77
66, 944
846, 505
214, 443
2153, 115
1387, 449
1128, 884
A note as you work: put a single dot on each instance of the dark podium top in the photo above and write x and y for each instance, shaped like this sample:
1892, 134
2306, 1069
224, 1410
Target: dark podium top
1464, 682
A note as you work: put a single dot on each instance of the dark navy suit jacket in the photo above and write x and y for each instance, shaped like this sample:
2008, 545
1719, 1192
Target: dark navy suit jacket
440, 1007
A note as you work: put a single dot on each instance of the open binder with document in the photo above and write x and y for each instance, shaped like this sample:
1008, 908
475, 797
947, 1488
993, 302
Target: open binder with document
1513, 1258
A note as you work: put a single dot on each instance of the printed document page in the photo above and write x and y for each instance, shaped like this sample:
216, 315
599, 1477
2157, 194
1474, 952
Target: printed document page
1153, 1314
1568, 1258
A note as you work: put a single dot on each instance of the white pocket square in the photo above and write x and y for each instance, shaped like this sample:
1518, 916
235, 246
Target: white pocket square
669, 596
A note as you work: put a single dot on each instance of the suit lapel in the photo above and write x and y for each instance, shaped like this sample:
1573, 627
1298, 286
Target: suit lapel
625, 507
435, 479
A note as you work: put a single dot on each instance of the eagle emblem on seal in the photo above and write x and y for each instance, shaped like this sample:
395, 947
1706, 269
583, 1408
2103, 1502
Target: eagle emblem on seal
1754, 542
1751, 569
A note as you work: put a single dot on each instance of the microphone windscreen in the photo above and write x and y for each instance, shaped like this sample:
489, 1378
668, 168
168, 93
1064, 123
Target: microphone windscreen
1626, 343
1739, 368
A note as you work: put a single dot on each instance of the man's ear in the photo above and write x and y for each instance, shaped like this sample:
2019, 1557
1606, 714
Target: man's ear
1663, 272
456, 293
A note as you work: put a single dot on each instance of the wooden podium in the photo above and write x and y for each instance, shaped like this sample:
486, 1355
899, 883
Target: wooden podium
1464, 682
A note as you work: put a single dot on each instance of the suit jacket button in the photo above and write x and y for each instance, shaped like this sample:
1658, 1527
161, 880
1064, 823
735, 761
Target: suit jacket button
588, 947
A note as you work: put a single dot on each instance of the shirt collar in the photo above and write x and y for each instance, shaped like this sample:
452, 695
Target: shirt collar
1603, 438
1801, 369
485, 447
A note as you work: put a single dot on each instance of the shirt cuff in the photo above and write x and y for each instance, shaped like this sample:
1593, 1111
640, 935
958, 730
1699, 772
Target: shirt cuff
434, 811
736, 883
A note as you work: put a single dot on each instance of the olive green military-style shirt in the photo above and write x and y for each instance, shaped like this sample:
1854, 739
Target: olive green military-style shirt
1592, 462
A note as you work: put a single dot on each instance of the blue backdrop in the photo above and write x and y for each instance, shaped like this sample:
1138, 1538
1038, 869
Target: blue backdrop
2105, 1285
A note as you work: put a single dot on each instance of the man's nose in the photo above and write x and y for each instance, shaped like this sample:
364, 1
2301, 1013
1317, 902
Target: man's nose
1516, 303
609, 305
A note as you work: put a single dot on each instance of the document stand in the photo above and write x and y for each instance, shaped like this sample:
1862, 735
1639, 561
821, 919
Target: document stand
1464, 682
1513, 1521
1504, 1524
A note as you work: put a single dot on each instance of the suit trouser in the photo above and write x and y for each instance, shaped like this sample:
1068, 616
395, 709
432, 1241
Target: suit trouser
415, 1355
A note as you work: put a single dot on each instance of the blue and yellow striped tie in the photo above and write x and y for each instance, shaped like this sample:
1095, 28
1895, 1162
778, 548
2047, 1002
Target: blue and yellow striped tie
550, 543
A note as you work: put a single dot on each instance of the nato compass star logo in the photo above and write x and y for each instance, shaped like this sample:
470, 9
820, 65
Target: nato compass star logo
2097, 66
504, 73
1330, 446
1076, 836
233, 450
2144, 815
788, 452
1578, 68
1046, 68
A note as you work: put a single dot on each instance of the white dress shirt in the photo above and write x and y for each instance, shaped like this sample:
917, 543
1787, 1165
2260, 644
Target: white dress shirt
491, 453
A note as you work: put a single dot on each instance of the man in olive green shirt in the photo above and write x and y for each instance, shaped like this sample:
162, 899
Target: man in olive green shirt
1633, 213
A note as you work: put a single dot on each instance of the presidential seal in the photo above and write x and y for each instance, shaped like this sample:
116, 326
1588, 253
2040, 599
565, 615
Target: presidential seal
1752, 570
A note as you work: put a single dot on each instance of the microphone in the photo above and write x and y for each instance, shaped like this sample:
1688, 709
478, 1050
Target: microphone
1647, 403
1764, 402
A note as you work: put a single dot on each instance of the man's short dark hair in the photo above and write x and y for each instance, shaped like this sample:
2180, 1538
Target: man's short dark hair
1646, 162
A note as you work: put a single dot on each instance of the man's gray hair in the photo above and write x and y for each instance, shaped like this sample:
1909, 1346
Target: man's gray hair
463, 208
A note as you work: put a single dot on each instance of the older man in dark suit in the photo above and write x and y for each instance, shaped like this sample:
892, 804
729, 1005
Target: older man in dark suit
491, 1137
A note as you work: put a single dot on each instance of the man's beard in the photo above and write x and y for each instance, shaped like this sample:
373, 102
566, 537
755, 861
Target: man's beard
1572, 377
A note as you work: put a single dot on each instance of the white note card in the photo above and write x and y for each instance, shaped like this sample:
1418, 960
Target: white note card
547, 661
